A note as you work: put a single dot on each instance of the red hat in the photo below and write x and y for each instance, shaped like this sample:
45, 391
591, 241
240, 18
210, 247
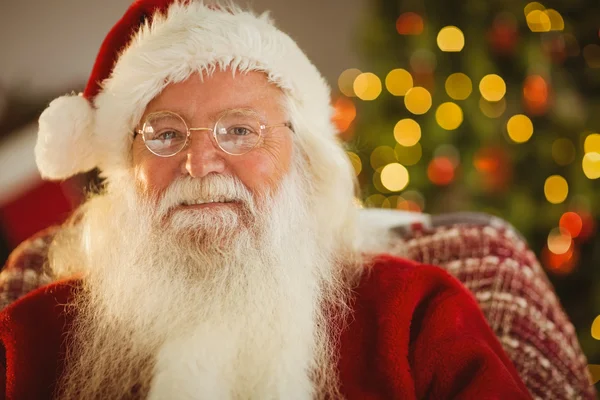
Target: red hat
158, 42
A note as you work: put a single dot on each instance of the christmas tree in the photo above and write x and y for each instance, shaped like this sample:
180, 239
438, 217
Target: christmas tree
488, 106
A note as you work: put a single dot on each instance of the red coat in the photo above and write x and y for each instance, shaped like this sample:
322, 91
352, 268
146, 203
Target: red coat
416, 332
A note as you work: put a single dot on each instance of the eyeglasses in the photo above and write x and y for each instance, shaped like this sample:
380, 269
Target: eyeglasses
236, 132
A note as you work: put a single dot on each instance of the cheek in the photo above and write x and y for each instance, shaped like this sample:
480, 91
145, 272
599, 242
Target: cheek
153, 174
263, 169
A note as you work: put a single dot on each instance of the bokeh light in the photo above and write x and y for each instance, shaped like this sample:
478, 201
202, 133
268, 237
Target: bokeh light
408, 155
591, 53
409, 23
346, 81
538, 21
535, 94
407, 132
492, 109
563, 151
492, 87
520, 128
459, 86
448, 151
417, 100
382, 156
596, 328
356, 162
415, 200
375, 201
572, 223
556, 20
367, 86
398, 82
345, 112
556, 189
591, 165
592, 143
534, 5
450, 39
449, 116
441, 171
394, 177
559, 241
560, 264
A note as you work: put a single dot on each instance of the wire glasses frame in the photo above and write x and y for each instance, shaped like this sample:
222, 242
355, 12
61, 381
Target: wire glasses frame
236, 132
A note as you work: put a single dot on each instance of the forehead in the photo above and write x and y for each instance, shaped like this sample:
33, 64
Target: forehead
210, 94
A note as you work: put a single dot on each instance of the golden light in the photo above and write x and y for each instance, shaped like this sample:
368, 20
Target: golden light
556, 189
440, 171
416, 198
563, 151
449, 116
381, 156
592, 143
407, 132
520, 128
596, 328
591, 165
394, 177
450, 39
345, 112
492, 87
346, 81
409, 23
356, 162
591, 53
408, 155
375, 200
556, 20
398, 82
492, 109
459, 86
367, 86
417, 100
559, 241
572, 223
538, 21
533, 6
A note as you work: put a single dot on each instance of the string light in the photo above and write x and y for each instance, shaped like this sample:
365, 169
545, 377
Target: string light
409, 23
398, 82
592, 143
449, 116
591, 165
572, 223
559, 241
556, 189
394, 177
346, 81
367, 86
520, 128
538, 21
381, 156
532, 7
451, 39
407, 132
596, 328
459, 86
492, 87
417, 100
556, 20
492, 109
356, 162
408, 155
563, 151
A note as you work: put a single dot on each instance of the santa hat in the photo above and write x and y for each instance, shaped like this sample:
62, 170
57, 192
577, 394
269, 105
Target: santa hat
158, 42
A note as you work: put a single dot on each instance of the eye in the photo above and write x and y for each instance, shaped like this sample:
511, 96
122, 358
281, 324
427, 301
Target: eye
168, 135
240, 131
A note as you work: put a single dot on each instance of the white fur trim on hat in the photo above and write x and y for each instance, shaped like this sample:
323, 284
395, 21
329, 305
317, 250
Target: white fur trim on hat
65, 144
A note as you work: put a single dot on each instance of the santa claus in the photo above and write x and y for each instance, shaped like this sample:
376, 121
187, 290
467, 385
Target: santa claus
223, 259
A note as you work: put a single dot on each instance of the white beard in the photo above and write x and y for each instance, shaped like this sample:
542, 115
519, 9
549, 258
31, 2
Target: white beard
213, 305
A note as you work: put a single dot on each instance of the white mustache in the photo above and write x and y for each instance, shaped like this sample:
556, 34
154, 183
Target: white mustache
212, 188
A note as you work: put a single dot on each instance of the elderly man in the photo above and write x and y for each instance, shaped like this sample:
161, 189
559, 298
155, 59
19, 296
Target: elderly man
223, 258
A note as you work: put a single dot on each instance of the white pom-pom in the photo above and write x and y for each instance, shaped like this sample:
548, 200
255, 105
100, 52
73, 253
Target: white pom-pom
65, 144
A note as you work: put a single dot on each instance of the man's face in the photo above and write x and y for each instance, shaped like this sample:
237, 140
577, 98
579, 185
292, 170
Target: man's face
200, 102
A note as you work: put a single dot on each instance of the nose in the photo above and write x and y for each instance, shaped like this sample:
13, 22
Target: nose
203, 156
